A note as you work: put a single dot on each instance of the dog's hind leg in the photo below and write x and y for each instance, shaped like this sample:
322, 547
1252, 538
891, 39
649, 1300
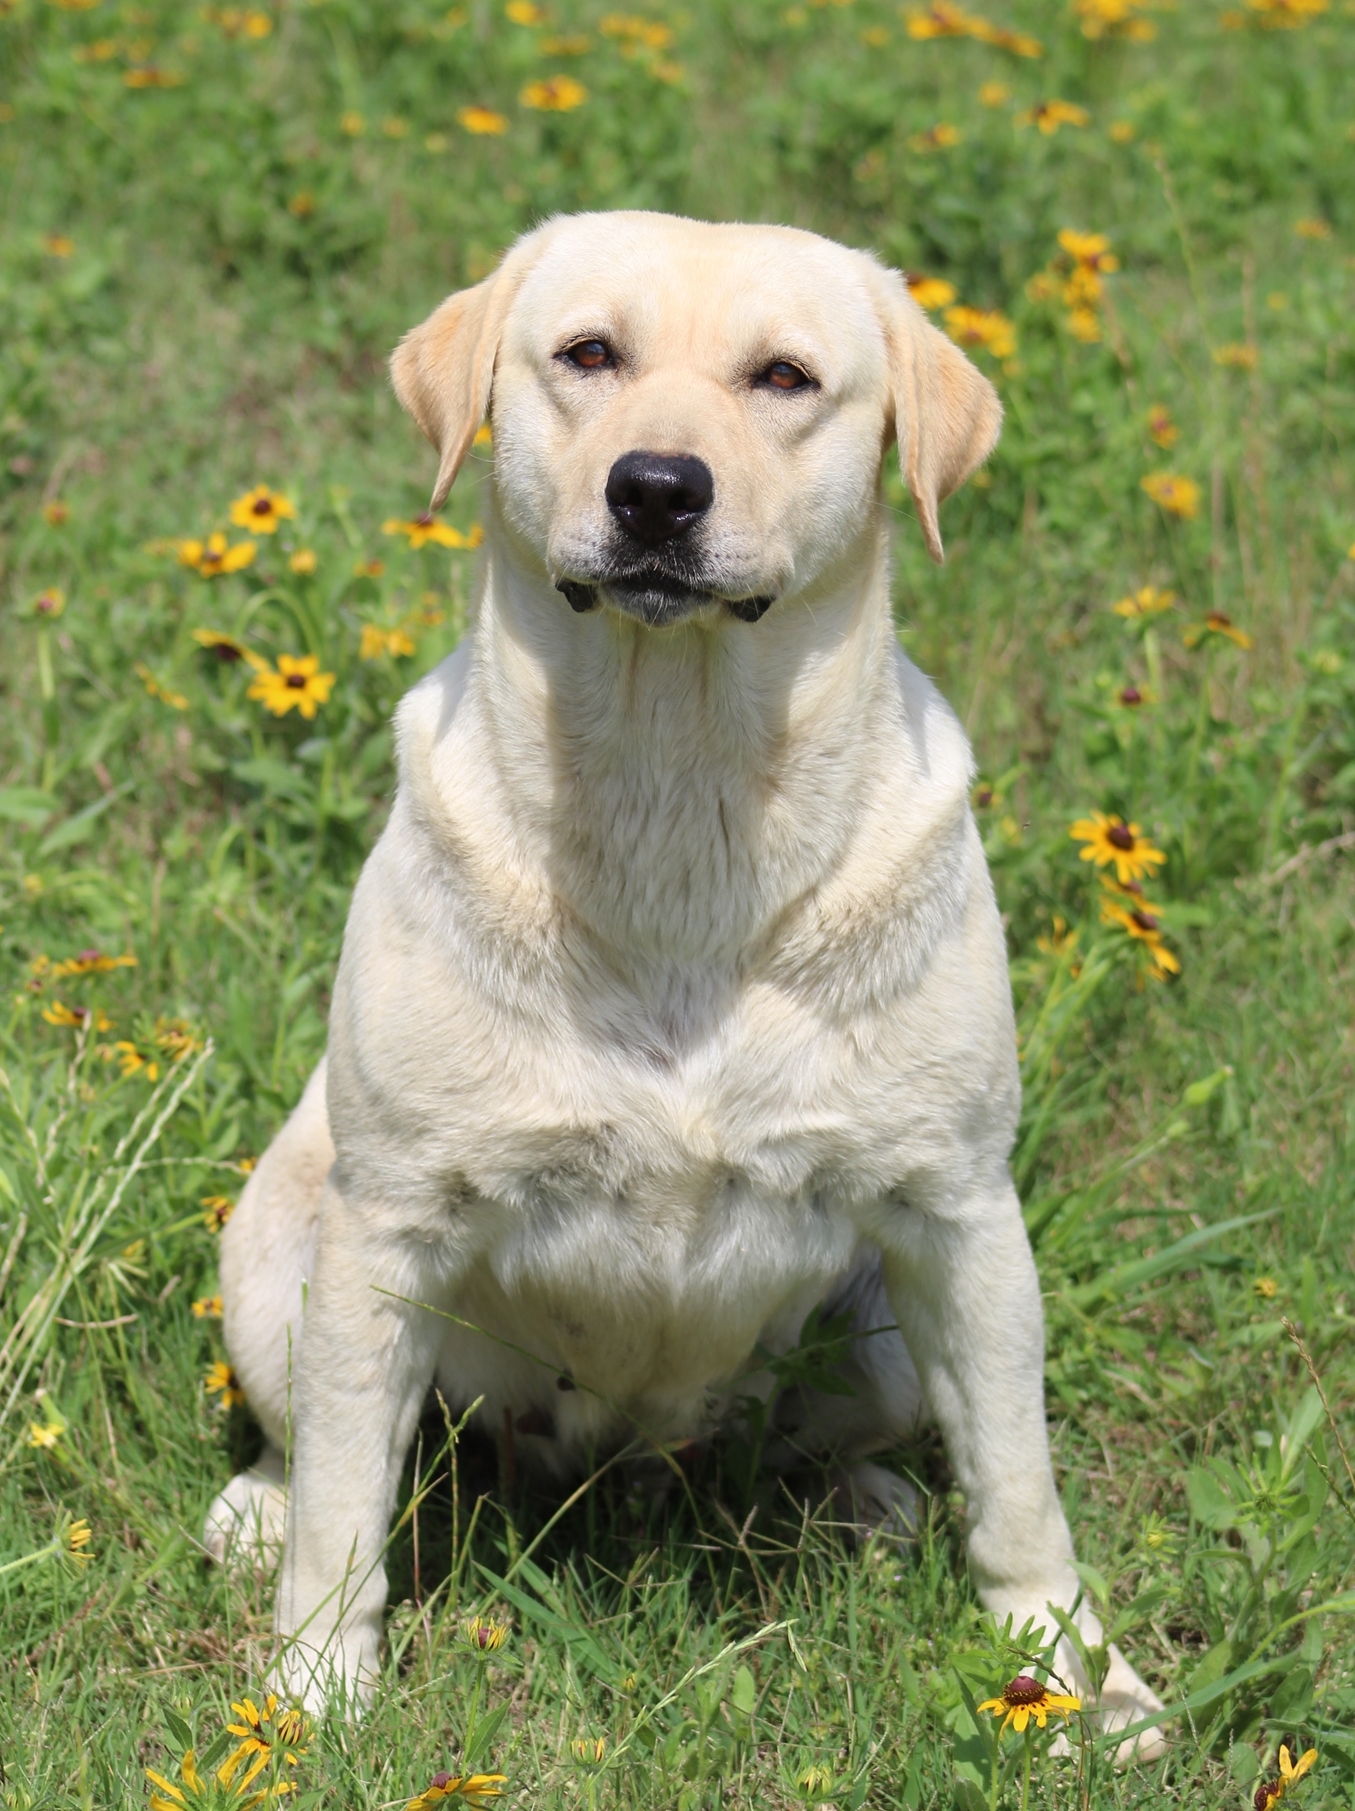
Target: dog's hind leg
267, 1248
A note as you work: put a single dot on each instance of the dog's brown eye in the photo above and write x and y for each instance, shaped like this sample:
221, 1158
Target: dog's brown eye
782, 375
589, 355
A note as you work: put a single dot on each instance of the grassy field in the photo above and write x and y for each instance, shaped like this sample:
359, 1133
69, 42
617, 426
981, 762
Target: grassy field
217, 222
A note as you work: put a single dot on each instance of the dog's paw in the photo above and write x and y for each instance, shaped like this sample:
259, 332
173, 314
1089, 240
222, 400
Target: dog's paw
1125, 1699
248, 1519
875, 1501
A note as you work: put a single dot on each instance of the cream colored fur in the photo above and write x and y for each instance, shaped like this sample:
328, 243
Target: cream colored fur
673, 999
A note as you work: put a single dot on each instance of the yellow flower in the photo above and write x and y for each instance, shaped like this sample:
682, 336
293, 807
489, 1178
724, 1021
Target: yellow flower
1085, 324
483, 121
302, 205
58, 1013
1291, 1772
942, 19
1312, 229
1142, 922
368, 569
226, 648
816, 1781
157, 689
1090, 250
208, 1308
1238, 357
194, 1793
1161, 428
1132, 697
645, 34
57, 245
424, 529
131, 1061
213, 556
1026, 1699
45, 1437
1121, 131
523, 12
591, 1750
936, 138
982, 327
50, 603
474, 1789
261, 509
395, 128
352, 125
931, 292
89, 962
1050, 115
148, 76
1177, 495
56, 513
556, 94
303, 561
994, 94
1112, 19
484, 1635
1110, 839
261, 1735
377, 641
76, 1541
1216, 623
219, 1210
1266, 1288
297, 685
573, 46
484, 436
222, 1381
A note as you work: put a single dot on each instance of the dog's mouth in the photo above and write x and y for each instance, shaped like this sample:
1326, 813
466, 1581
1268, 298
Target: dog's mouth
658, 594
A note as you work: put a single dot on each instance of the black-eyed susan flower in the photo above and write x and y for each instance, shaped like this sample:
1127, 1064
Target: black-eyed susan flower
298, 684
260, 510
994, 94
49, 603
1147, 601
222, 1381
57, 245
931, 293
1237, 356
484, 1634
982, 327
554, 94
1291, 1772
1265, 1289
1050, 115
425, 528
75, 1017
1114, 19
303, 561
225, 647
219, 1210
56, 513
591, 1751
75, 1539
132, 1061
815, 1782
377, 641
1026, 1700
525, 12
1142, 921
477, 1790
91, 962
215, 556
940, 137
44, 1435
1110, 839
1215, 623
1162, 430
194, 1792
208, 1308
1312, 229
1170, 491
482, 122
262, 1741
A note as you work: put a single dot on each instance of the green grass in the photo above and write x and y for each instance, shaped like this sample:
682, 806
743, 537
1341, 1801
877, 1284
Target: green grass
199, 283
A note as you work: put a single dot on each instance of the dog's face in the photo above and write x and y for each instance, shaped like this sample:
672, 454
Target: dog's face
691, 418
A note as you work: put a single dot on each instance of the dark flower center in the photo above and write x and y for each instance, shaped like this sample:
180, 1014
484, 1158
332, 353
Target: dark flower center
297, 681
262, 507
1120, 836
1144, 920
1131, 695
440, 1780
1266, 1794
1024, 1690
224, 651
424, 519
89, 956
984, 796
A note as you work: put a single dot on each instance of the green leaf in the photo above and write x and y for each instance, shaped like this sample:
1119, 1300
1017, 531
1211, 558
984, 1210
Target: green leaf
744, 1694
1213, 1666
71, 829
1137, 1610
480, 1738
273, 777
1209, 1504
182, 1734
1175, 1257
26, 805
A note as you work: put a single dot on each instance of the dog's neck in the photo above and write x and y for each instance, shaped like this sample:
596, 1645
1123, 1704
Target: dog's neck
679, 789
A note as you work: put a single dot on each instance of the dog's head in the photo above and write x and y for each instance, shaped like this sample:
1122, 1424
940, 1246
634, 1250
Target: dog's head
691, 417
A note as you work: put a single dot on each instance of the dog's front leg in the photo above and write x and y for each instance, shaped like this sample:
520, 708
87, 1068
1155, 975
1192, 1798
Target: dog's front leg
963, 1287
364, 1363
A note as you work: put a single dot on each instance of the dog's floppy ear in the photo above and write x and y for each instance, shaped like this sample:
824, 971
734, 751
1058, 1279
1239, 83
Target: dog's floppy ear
443, 371
946, 414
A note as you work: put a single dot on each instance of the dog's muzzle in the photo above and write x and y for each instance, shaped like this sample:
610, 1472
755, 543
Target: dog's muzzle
655, 570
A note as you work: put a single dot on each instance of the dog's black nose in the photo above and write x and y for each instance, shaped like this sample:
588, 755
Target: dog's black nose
656, 497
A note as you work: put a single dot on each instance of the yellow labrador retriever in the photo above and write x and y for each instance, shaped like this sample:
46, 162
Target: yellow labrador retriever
673, 999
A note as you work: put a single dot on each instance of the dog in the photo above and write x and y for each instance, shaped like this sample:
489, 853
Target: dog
673, 1000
